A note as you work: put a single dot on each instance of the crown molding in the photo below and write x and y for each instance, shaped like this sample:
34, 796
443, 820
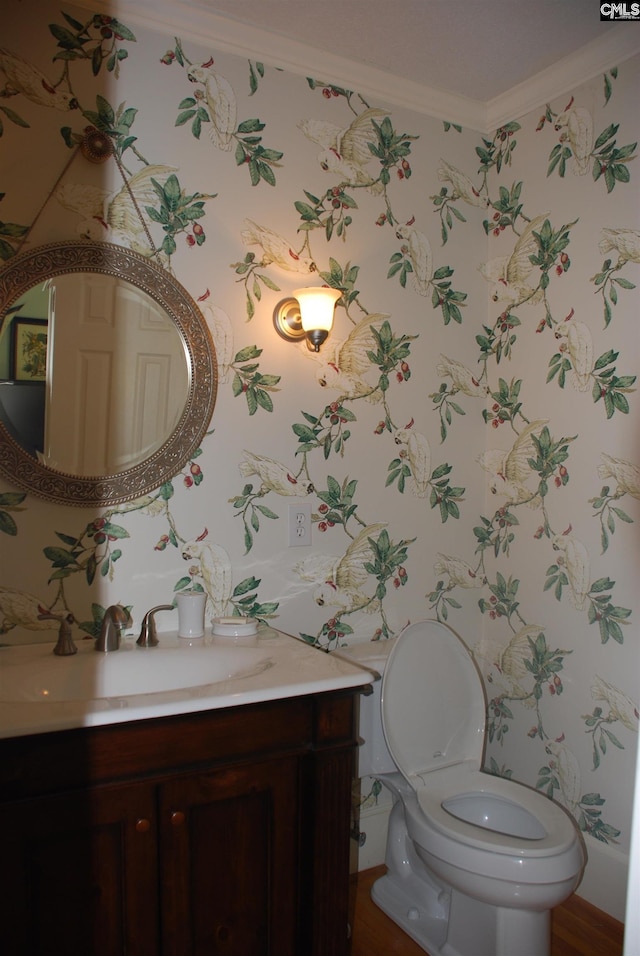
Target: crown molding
590, 60
197, 24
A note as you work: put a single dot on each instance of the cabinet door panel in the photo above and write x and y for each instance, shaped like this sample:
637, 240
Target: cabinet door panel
79, 875
229, 866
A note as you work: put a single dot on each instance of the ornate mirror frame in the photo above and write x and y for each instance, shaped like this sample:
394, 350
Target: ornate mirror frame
44, 262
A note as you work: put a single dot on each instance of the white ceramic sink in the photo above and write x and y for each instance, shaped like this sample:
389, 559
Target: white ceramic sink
33, 673
42, 693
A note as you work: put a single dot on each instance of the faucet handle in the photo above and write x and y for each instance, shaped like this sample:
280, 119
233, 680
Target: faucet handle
66, 646
148, 635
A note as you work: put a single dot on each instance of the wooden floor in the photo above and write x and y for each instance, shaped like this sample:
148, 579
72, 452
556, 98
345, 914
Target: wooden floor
577, 928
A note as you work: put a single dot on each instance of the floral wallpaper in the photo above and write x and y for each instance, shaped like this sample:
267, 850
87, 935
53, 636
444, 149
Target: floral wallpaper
467, 437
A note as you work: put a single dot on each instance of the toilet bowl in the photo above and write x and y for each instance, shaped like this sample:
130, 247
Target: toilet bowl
475, 862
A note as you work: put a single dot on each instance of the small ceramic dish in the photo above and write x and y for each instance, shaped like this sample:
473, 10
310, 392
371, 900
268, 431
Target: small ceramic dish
234, 626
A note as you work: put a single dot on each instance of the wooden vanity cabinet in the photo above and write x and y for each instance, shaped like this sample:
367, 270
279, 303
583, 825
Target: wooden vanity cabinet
76, 876
224, 832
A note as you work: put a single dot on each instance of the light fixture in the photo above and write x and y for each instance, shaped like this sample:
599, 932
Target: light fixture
309, 315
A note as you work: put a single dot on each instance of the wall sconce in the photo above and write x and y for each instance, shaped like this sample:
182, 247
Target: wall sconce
309, 315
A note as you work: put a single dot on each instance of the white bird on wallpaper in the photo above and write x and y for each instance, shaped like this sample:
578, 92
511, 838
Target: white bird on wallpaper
579, 345
567, 770
104, 214
463, 188
626, 243
576, 125
509, 470
340, 580
23, 77
20, 609
418, 453
345, 152
462, 378
221, 330
620, 706
460, 573
420, 256
275, 249
346, 363
215, 572
273, 475
626, 475
514, 278
221, 101
577, 566
510, 659
88, 202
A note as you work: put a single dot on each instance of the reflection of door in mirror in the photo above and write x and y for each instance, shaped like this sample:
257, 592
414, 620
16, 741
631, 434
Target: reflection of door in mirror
117, 376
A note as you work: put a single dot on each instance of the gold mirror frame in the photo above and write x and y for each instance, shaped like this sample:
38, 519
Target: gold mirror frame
44, 262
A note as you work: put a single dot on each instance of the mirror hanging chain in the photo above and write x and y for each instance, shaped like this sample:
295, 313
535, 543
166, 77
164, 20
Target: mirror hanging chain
96, 147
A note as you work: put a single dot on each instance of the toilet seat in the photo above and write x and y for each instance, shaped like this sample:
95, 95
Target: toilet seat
485, 850
558, 829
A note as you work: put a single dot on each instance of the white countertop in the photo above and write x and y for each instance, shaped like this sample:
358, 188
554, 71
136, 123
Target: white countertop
285, 666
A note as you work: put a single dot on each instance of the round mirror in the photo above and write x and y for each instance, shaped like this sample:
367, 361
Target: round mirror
108, 374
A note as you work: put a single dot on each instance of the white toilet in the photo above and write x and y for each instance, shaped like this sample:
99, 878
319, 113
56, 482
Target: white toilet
475, 862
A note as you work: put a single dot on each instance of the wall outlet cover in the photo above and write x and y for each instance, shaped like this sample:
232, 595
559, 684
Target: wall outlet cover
299, 525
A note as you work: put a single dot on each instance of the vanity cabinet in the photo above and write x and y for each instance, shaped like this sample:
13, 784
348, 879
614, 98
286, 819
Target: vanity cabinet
225, 832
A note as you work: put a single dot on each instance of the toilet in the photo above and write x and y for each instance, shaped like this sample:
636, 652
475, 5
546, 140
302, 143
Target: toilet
475, 862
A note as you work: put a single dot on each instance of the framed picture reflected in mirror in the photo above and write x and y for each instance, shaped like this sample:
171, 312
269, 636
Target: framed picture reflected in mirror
28, 362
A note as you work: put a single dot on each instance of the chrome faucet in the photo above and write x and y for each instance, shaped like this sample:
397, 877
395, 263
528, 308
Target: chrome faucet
116, 619
148, 634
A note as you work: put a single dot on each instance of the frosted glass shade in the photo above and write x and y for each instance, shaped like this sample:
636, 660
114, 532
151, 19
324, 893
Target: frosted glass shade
316, 307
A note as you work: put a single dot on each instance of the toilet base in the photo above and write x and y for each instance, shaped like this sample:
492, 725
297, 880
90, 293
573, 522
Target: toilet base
403, 901
470, 928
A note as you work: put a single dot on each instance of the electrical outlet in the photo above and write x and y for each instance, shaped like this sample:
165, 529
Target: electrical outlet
299, 525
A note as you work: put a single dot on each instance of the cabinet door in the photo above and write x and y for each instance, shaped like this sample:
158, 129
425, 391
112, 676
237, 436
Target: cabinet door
79, 874
229, 861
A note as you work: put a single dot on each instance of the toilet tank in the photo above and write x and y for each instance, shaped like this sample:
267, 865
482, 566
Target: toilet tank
373, 755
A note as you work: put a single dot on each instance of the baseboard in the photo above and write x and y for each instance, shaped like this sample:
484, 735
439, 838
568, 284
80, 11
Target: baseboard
373, 828
604, 883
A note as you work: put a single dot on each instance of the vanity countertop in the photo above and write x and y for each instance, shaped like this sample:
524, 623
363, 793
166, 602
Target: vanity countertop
279, 666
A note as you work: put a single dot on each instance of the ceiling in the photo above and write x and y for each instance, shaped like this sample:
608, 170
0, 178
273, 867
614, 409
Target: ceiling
477, 63
474, 48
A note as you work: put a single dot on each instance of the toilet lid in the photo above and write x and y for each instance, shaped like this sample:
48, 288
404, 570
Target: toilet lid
433, 705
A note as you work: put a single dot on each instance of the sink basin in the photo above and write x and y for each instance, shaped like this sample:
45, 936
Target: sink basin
41, 693
34, 673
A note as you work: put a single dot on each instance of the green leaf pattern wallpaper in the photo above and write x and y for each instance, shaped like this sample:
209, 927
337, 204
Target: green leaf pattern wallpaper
468, 437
